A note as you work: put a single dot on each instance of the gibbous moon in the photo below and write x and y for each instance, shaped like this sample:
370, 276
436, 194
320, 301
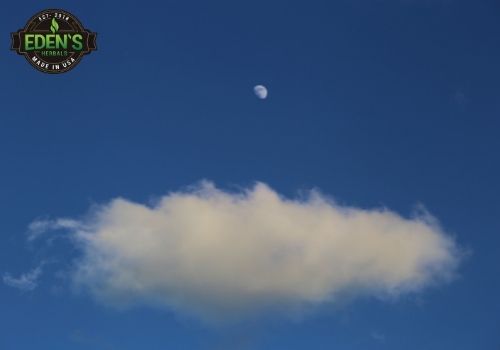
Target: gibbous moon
260, 91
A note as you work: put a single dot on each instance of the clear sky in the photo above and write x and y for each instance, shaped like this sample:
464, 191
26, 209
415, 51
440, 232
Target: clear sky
378, 104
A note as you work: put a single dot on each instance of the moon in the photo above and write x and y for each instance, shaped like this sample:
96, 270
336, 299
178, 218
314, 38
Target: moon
260, 91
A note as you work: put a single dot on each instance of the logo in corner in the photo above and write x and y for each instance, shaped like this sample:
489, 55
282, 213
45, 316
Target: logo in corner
54, 41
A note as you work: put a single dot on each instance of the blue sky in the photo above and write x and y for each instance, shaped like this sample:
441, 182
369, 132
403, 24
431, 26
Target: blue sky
376, 103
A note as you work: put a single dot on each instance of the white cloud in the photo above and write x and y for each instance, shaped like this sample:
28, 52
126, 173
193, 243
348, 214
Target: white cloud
39, 227
26, 282
218, 255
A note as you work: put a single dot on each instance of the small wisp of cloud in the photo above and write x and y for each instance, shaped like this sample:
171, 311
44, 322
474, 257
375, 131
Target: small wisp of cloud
26, 282
38, 227
378, 336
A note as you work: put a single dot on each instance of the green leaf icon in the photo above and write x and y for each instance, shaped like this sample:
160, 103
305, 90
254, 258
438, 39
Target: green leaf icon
54, 27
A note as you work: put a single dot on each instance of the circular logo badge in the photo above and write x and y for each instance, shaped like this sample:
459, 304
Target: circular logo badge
54, 41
